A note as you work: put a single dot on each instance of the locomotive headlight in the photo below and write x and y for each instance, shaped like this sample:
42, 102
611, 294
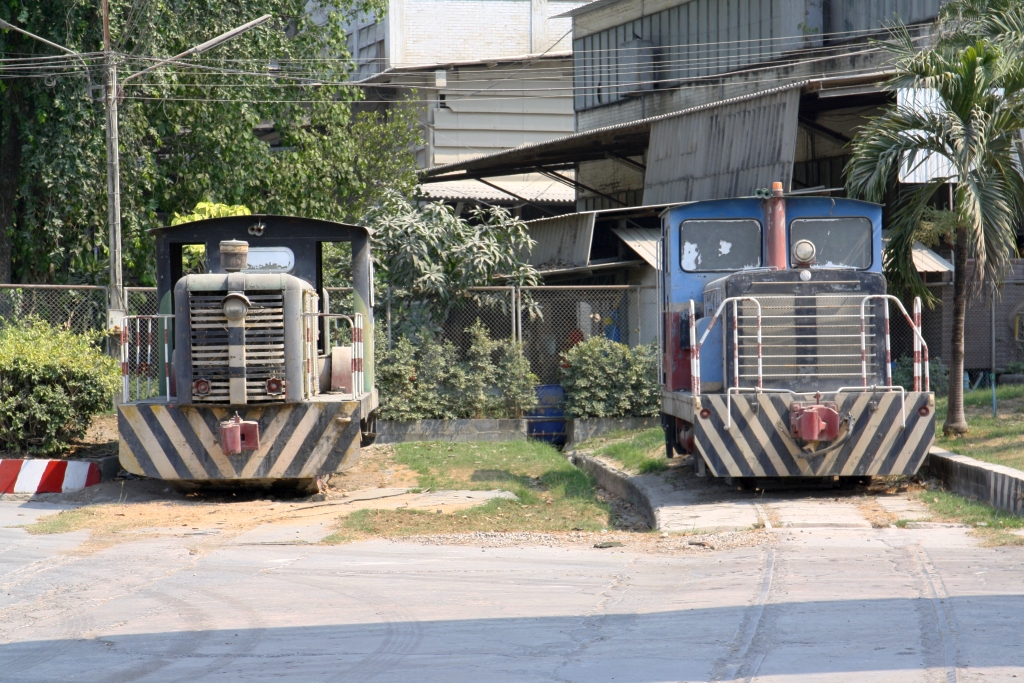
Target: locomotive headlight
804, 252
235, 306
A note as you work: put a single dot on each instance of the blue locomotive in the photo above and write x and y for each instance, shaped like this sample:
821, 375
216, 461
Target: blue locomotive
775, 333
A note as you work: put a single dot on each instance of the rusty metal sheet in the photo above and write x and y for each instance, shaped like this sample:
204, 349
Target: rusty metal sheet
726, 151
562, 241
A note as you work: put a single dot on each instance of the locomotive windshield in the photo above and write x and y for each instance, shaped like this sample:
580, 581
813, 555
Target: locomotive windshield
843, 242
269, 260
720, 245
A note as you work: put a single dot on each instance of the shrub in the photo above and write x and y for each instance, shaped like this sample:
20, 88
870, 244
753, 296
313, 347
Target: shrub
938, 375
432, 381
603, 378
52, 382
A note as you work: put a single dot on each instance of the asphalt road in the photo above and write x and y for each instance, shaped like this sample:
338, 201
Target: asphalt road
810, 603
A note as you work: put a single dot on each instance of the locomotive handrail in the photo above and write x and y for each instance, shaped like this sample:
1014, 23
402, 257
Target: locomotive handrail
695, 344
355, 322
919, 343
126, 340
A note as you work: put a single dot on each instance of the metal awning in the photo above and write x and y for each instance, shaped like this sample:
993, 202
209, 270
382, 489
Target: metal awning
644, 241
620, 141
925, 260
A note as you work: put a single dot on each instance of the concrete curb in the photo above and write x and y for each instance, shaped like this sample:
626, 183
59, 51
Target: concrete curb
579, 429
453, 431
47, 476
621, 484
999, 486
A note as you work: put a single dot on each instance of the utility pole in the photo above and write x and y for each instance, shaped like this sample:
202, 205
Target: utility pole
117, 308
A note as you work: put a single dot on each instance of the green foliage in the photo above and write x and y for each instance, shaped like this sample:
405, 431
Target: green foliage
980, 84
430, 380
603, 378
938, 375
187, 131
640, 452
429, 257
1015, 367
52, 382
206, 210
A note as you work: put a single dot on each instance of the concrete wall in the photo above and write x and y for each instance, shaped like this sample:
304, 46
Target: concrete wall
451, 430
416, 32
487, 110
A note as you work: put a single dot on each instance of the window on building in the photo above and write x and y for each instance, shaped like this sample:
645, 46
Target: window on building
843, 242
720, 244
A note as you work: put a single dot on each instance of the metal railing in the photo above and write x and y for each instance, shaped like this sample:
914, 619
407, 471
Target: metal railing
919, 342
837, 325
333, 334
145, 344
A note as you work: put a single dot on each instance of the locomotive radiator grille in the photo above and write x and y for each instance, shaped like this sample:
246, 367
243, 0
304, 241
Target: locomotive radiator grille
814, 337
264, 345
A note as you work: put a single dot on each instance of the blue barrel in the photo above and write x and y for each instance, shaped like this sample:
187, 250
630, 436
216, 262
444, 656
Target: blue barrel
546, 422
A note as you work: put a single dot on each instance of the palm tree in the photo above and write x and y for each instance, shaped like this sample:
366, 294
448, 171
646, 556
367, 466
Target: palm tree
976, 128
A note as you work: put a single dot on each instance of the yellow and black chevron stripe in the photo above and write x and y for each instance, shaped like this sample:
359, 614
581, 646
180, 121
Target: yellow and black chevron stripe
297, 441
758, 443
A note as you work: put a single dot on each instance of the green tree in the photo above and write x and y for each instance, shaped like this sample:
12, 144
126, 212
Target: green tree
976, 129
430, 257
187, 131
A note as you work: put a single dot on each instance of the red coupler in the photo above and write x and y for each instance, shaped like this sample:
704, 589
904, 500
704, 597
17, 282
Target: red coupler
237, 435
814, 422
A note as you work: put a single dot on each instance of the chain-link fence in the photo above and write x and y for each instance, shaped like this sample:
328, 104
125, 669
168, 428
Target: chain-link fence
80, 308
493, 307
554, 319
141, 300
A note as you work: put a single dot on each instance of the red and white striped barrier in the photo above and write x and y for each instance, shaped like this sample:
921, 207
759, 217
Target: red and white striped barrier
47, 476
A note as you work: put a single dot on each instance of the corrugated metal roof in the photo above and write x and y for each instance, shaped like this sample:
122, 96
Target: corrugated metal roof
926, 260
562, 241
727, 151
644, 241
538, 191
624, 139
926, 167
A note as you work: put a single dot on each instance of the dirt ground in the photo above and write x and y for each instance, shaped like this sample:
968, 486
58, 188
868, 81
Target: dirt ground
126, 509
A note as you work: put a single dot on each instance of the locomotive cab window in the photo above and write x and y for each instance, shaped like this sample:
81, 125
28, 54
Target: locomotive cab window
720, 245
842, 242
269, 260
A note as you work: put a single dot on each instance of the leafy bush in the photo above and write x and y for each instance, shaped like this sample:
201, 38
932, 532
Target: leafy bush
52, 382
431, 381
938, 374
603, 378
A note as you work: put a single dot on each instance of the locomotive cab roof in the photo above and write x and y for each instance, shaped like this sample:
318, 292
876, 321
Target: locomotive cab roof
293, 240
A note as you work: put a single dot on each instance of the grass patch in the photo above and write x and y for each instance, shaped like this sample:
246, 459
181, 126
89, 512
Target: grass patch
552, 494
64, 521
994, 525
998, 439
637, 451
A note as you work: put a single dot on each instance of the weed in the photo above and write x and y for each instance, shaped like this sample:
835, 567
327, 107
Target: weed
640, 452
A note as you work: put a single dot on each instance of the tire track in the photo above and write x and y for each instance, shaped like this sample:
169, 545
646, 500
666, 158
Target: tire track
935, 590
743, 660
402, 633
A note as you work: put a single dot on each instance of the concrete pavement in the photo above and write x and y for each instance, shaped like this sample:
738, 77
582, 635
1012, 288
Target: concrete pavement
810, 603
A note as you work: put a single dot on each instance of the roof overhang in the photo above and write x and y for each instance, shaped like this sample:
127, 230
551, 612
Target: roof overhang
527, 59
624, 140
